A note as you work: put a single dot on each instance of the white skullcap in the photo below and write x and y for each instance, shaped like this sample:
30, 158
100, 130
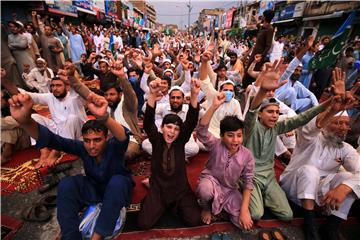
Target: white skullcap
227, 82
342, 114
167, 60
105, 61
177, 88
41, 60
168, 70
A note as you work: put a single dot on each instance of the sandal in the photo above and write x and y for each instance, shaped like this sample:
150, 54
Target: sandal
37, 213
48, 201
265, 235
278, 235
60, 168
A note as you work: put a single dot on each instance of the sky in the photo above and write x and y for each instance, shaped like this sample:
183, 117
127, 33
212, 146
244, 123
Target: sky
176, 11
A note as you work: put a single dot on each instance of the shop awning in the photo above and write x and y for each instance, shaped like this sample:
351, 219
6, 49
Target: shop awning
332, 15
284, 21
86, 11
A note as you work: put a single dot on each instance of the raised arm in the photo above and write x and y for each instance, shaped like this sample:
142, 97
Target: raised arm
149, 117
269, 81
98, 107
7, 84
62, 25
130, 99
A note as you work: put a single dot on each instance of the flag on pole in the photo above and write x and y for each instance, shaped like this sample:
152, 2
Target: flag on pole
148, 38
111, 43
328, 55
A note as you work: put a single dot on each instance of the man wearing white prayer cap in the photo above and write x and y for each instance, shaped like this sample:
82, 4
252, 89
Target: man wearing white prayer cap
40, 77
325, 171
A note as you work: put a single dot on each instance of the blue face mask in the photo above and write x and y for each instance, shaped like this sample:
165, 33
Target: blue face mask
133, 79
228, 95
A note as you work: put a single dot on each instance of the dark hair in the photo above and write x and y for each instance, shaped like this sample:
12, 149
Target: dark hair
230, 123
134, 69
94, 125
172, 119
221, 66
231, 54
168, 79
112, 85
268, 15
83, 54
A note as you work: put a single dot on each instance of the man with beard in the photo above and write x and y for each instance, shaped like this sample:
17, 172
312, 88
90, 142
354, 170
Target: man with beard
324, 170
77, 46
40, 77
175, 106
67, 115
19, 47
122, 104
295, 94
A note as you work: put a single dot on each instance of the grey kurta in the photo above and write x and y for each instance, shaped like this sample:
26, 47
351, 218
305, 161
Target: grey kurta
19, 47
53, 59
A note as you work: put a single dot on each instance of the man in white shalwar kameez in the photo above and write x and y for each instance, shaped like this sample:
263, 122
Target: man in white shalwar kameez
324, 170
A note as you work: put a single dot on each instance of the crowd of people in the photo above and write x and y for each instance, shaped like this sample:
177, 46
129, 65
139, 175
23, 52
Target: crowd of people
244, 102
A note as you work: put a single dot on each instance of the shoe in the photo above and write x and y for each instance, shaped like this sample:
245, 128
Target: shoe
36, 213
265, 235
277, 235
60, 168
49, 183
48, 201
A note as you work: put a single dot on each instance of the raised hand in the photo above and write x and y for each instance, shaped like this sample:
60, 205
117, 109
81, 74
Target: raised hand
148, 68
206, 57
155, 89
97, 105
118, 69
338, 82
310, 41
218, 100
270, 76
185, 64
195, 87
20, 107
33, 13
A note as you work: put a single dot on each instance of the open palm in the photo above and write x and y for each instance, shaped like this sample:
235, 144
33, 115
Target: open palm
270, 76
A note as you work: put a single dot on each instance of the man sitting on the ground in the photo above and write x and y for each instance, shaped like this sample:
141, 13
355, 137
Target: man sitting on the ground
67, 116
106, 180
314, 175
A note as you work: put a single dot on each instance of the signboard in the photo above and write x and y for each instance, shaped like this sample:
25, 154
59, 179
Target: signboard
229, 16
299, 9
63, 7
111, 9
265, 5
99, 5
287, 12
84, 4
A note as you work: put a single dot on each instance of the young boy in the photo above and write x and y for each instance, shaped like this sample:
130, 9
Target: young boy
229, 163
260, 138
107, 180
169, 186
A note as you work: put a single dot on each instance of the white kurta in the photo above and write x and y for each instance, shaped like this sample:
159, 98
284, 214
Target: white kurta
231, 108
315, 168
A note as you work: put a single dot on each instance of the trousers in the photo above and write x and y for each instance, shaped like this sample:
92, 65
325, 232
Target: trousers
75, 192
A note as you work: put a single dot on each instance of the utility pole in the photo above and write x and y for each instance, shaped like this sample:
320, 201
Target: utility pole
190, 8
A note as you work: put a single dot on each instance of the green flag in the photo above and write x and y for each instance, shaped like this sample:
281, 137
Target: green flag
328, 55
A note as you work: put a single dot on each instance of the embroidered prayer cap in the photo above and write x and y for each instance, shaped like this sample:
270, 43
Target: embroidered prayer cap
105, 61
168, 70
227, 82
269, 101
